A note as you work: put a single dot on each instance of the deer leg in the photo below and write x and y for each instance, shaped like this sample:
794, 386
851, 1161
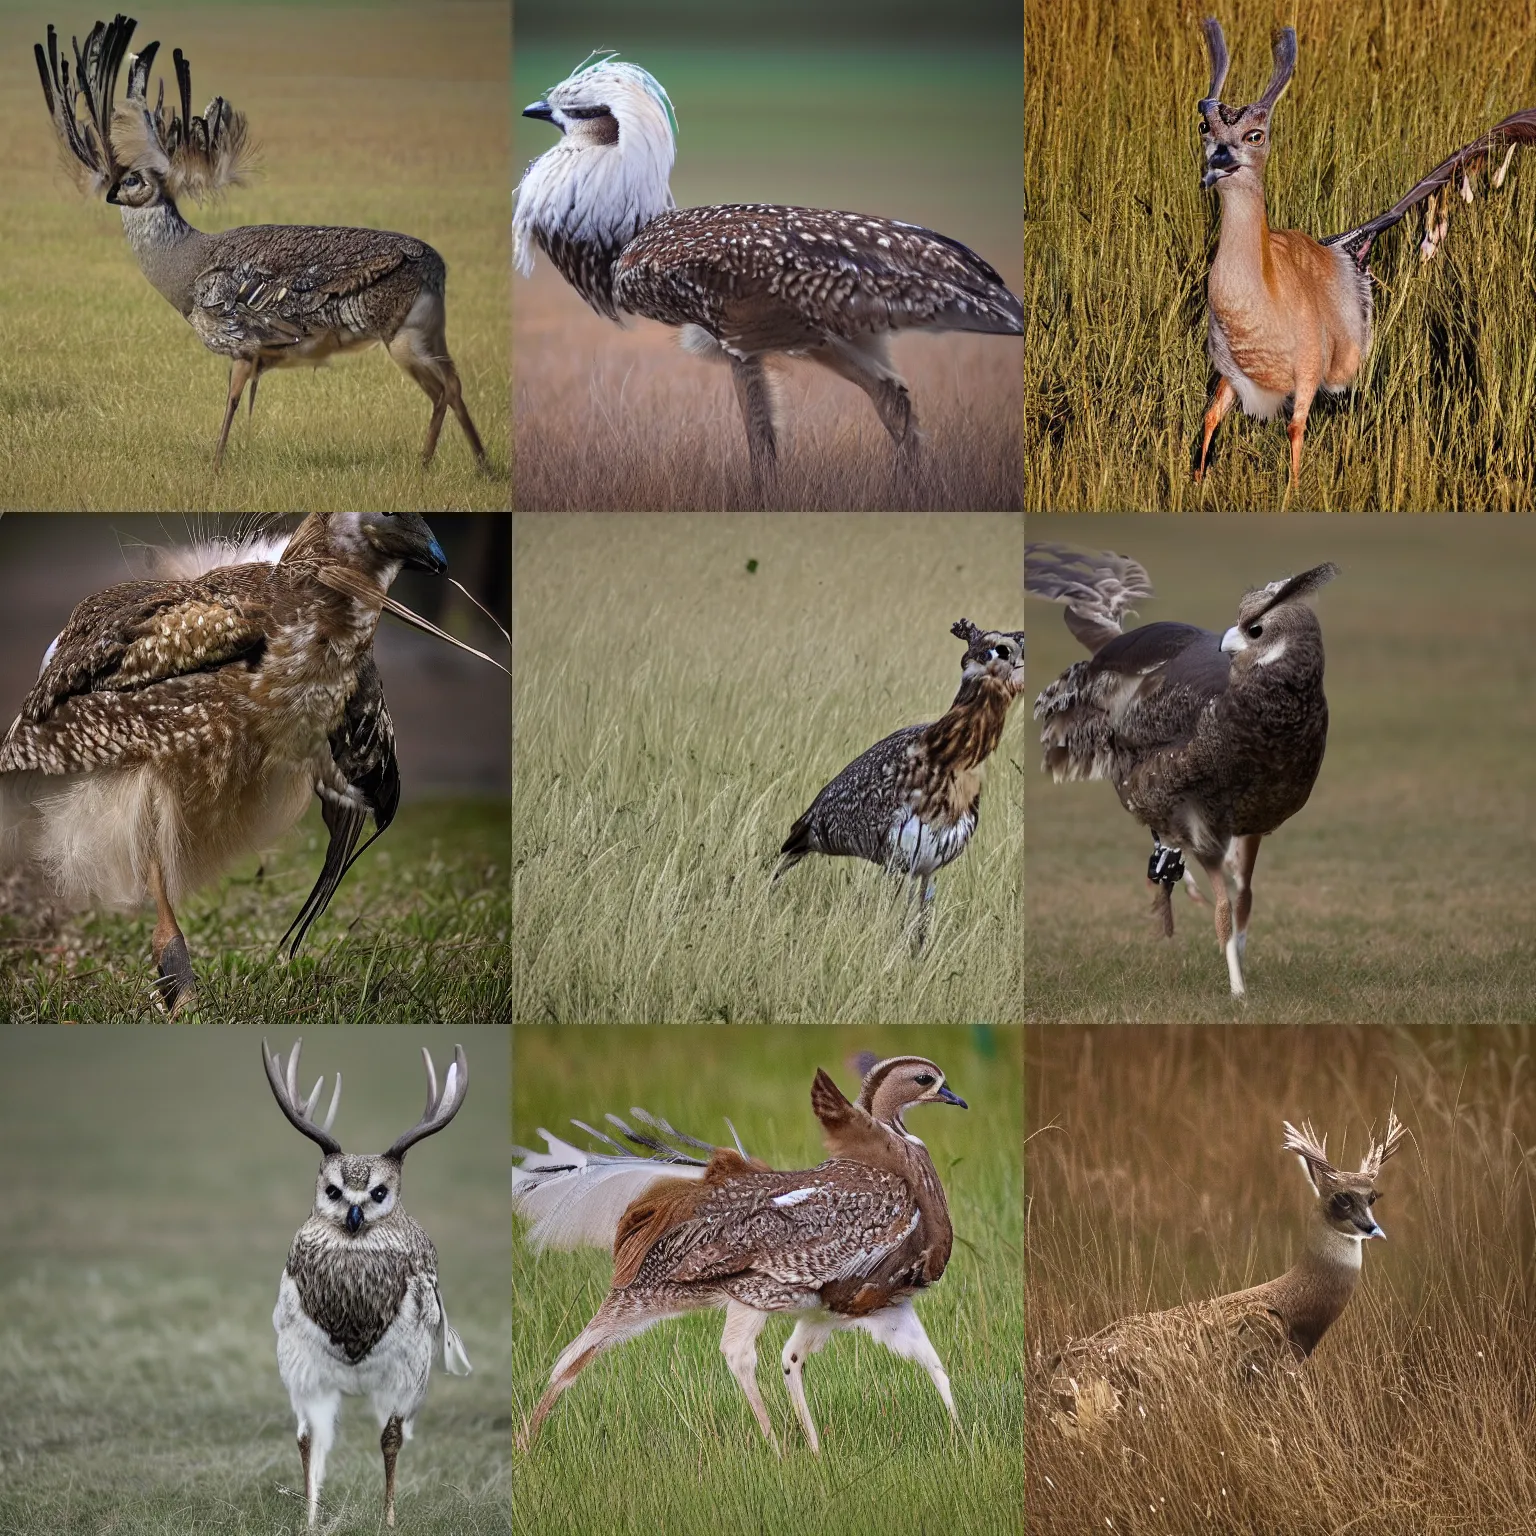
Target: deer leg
1244, 854
1221, 402
808, 1336
606, 1328
317, 1429
420, 349
867, 363
239, 372
250, 399
390, 1442
177, 985
901, 1331
1296, 430
1164, 869
739, 1346
1226, 935
754, 394
454, 394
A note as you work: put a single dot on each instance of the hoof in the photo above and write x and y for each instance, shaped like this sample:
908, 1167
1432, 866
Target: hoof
177, 986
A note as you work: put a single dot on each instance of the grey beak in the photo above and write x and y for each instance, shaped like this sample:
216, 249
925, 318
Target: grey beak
354, 1217
541, 110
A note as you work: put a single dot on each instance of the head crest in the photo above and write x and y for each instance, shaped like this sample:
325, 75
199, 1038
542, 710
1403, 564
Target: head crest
643, 77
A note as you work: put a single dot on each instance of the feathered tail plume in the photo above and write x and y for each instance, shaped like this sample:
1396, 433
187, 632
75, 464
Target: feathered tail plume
1097, 588
574, 1198
1517, 128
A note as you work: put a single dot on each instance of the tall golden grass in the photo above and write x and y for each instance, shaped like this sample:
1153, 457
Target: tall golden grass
1153, 1176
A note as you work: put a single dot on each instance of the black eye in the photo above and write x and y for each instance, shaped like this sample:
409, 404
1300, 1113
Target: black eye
332, 1193
925, 1079
1372, 1198
1339, 1205
1255, 630
381, 1194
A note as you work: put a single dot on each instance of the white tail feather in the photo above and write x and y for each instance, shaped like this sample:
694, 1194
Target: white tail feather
574, 1199
189, 561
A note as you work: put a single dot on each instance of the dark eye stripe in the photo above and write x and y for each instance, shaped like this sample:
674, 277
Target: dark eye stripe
584, 113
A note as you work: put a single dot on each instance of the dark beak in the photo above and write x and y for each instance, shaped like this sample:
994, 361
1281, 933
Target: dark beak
354, 1217
421, 551
431, 559
1221, 163
112, 196
949, 1096
541, 110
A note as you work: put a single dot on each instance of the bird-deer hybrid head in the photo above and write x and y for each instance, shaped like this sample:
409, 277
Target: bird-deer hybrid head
1344, 1199
607, 177
352, 1191
997, 653
1236, 139
1272, 618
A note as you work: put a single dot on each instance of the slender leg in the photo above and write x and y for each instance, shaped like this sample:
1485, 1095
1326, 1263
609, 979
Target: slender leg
250, 399
608, 1327
901, 1331
754, 394
317, 1430
239, 372
924, 914
177, 985
309, 1502
390, 1442
867, 363
455, 398
808, 1337
420, 348
1296, 430
739, 1346
1226, 935
1244, 854
1221, 402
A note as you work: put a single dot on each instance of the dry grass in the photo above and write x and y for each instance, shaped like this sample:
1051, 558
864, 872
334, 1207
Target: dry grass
1119, 238
1153, 1176
392, 116
1401, 893
621, 419
676, 711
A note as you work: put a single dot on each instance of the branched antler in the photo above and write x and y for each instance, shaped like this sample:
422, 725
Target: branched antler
442, 1105
285, 1090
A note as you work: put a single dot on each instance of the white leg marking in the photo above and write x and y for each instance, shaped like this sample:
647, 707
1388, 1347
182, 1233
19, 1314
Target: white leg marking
901, 1331
739, 1346
809, 1335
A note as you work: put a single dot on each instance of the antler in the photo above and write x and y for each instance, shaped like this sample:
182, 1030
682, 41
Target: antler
1216, 46
299, 1111
1285, 67
1380, 1151
441, 1107
963, 629
1311, 1149
195, 156
88, 144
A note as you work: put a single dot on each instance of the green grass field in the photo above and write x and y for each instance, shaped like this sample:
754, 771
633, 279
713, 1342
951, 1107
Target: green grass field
676, 711
621, 419
1401, 892
417, 933
1154, 1177
1118, 240
656, 1435
391, 116
152, 1190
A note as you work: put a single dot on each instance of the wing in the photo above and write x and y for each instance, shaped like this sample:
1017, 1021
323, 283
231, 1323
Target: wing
1098, 588
761, 277
455, 1361
130, 654
364, 781
273, 286
1141, 692
839, 1222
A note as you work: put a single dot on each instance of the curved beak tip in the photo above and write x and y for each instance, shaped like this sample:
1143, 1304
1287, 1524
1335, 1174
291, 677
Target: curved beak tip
949, 1096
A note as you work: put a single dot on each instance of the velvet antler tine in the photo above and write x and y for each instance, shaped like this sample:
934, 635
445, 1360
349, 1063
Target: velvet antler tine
441, 1106
1285, 67
1216, 47
283, 1082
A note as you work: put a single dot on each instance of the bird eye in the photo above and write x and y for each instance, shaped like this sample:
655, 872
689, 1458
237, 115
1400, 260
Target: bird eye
1255, 630
924, 1079
381, 1194
332, 1193
1256, 137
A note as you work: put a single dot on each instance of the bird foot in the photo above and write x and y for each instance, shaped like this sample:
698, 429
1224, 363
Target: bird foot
177, 986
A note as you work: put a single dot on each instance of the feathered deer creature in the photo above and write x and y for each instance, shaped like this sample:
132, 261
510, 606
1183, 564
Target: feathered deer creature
267, 295
846, 1245
1289, 315
1245, 1334
745, 281
180, 722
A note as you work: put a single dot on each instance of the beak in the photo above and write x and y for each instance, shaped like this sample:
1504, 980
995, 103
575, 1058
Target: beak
949, 1096
1376, 1231
1220, 163
541, 110
1232, 642
112, 196
431, 559
354, 1217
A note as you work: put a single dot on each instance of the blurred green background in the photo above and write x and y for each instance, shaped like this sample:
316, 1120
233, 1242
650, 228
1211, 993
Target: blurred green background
152, 1188
656, 1436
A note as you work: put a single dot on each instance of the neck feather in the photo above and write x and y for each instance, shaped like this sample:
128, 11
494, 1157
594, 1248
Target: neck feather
166, 247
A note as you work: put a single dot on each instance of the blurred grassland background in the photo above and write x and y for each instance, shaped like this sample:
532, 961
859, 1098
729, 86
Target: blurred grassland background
393, 116
656, 1435
1154, 1177
685, 685
417, 932
1119, 238
1402, 891
894, 113
151, 1193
